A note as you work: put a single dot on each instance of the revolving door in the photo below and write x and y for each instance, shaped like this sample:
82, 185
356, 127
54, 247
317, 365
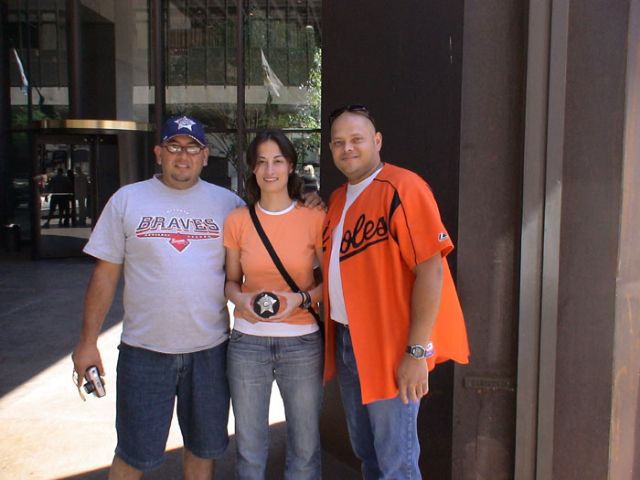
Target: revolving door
76, 170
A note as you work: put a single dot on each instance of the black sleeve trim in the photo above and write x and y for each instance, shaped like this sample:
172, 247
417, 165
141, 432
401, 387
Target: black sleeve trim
396, 203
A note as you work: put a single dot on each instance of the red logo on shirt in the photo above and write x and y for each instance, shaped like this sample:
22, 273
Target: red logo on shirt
179, 241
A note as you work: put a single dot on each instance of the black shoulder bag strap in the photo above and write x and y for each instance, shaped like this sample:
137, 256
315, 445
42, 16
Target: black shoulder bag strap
276, 260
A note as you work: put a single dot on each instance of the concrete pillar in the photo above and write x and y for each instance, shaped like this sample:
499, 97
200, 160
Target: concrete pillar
74, 58
624, 457
557, 280
125, 39
596, 422
489, 231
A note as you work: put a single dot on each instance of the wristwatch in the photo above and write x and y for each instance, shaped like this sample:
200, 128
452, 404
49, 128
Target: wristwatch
419, 352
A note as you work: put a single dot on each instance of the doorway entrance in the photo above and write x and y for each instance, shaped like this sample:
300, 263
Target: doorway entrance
75, 176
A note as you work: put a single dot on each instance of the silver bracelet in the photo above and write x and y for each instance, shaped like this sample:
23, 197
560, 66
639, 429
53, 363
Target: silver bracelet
306, 300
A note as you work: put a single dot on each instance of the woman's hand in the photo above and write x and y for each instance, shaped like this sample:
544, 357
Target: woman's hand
289, 302
244, 306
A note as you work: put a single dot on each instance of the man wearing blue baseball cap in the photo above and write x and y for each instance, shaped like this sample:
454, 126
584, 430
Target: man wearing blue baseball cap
165, 233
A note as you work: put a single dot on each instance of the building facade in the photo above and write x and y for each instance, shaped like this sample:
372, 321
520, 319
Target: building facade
237, 66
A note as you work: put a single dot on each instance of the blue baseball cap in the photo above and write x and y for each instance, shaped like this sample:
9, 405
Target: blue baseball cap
184, 125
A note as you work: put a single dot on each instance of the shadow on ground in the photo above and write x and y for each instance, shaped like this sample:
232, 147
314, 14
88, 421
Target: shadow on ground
172, 467
41, 306
41, 313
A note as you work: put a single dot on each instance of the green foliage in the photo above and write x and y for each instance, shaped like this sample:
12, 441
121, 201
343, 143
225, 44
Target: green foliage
308, 115
20, 119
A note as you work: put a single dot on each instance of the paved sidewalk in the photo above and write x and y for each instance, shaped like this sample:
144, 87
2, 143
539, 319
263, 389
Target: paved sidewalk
46, 431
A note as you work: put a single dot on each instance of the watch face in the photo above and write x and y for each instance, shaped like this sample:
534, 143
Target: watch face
417, 351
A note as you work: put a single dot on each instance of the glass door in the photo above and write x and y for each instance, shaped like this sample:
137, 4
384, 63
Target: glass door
70, 187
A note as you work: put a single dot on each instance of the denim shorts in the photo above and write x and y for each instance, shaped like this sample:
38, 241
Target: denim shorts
146, 388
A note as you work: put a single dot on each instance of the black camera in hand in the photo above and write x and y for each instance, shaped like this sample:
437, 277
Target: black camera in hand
94, 382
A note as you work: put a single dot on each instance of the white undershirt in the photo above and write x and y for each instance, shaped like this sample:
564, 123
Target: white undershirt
277, 212
336, 295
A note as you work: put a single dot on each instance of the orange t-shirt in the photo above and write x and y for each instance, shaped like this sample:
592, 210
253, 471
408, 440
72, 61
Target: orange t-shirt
295, 235
389, 229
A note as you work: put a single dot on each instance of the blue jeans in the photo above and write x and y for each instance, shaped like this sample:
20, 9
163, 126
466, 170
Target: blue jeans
383, 434
295, 363
147, 386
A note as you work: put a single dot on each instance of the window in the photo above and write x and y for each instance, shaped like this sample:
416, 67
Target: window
281, 59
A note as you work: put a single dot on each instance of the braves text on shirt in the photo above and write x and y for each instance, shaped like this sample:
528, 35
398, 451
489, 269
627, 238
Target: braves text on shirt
178, 230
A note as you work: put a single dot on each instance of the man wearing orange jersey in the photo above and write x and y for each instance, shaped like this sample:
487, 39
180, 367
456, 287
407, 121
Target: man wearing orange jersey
391, 308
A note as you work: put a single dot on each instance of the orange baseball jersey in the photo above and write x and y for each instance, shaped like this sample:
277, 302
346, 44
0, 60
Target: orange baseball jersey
390, 228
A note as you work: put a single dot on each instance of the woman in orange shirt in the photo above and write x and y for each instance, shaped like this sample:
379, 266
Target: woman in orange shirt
280, 339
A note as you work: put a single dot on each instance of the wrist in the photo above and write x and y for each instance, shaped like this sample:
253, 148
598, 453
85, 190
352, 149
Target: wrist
237, 298
306, 300
421, 352
88, 340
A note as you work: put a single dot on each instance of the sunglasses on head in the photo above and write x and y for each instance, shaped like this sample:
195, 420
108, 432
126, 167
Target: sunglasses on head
359, 109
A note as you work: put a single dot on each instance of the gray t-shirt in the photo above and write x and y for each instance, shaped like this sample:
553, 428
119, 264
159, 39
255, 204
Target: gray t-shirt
170, 242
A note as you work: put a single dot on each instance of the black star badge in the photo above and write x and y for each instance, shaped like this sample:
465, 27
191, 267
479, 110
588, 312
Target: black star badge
266, 304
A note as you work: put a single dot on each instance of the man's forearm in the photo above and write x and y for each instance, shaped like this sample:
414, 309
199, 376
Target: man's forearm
425, 300
98, 299
412, 375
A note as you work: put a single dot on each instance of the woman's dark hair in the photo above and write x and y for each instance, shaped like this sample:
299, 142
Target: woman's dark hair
294, 185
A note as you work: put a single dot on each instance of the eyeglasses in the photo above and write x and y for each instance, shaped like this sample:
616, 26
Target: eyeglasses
190, 149
359, 109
